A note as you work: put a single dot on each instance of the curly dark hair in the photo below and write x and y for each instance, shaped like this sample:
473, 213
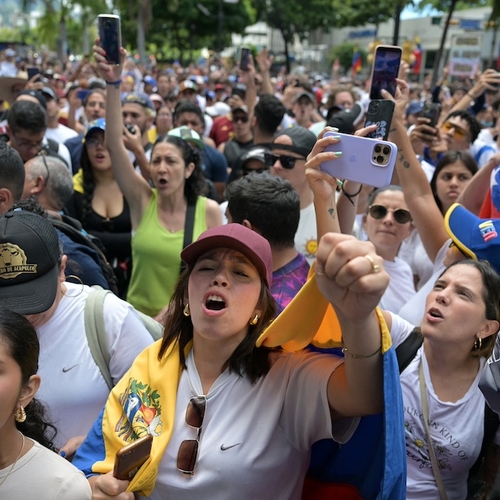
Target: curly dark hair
88, 185
247, 358
21, 340
195, 184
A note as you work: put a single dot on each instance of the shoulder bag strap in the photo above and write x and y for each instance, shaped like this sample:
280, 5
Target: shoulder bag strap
425, 409
188, 229
96, 331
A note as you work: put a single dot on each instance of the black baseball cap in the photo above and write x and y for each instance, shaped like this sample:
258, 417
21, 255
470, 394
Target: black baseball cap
36, 94
29, 262
303, 140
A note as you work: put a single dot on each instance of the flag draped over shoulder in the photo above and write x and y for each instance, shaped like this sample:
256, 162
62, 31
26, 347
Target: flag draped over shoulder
373, 461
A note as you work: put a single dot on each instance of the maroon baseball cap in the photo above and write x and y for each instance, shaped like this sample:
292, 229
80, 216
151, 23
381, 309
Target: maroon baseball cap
236, 237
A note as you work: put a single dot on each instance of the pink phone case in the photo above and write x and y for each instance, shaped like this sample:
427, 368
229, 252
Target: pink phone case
360, 160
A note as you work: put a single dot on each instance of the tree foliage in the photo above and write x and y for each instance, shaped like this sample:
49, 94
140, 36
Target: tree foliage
344, 53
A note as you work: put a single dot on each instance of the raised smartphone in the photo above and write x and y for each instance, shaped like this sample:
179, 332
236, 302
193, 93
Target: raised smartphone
385, 70
365, 160
244, 58
110, 35
380, 112
129, 459
431, 110
32, 71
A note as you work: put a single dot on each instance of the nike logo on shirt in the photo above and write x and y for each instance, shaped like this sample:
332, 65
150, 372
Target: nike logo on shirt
69, 368
224, 448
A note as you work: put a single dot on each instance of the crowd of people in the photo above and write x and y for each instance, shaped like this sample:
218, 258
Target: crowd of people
291, 306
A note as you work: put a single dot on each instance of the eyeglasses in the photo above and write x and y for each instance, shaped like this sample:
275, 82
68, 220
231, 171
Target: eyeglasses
93, 142
247, 171
240, 118
401, 216
287, 162
460, 133
188, 450
26, 144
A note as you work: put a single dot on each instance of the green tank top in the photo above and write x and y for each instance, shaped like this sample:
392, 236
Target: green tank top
156, 258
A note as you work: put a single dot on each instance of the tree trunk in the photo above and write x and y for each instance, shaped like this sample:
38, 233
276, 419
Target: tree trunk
141, 36
397, 23
493, 46
439, 55
63, 45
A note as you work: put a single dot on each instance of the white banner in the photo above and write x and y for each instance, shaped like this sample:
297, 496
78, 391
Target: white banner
465, 55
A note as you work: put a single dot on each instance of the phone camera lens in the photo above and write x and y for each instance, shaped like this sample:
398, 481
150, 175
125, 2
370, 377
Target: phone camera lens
380, 159
386, 150
378, 148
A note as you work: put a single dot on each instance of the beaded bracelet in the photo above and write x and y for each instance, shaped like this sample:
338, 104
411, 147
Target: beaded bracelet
360, 356
350, 196
115, 84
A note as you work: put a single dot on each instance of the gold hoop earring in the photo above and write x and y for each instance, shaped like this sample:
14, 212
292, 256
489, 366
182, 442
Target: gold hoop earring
186, 311
80, 282
20, 415
254, 320
478, 343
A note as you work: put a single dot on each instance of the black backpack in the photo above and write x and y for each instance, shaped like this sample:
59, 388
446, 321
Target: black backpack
405, 352
73, 230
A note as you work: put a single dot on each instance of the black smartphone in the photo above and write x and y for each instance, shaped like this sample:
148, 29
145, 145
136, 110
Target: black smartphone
244, 58
431, 110
110, 35
385, 70
380, 112
32, 71
129, 459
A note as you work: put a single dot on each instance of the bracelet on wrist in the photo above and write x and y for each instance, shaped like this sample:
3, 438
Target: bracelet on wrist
346, 352
350, 196
114, 84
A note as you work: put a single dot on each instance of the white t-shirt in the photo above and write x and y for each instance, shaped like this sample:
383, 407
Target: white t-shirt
306, 237
256, 439
400, 289
72, 385
456, 429
60, 134
413, 311
44, 475
413, 251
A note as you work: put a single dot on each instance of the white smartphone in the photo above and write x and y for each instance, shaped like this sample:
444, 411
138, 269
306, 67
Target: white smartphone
365, 160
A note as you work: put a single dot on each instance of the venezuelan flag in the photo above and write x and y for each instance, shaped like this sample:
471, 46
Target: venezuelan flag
417, 65
357, 64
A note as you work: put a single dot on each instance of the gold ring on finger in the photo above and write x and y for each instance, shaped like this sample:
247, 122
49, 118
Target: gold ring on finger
375, 267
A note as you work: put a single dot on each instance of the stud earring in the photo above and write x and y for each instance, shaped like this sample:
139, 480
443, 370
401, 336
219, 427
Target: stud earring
186, 311
254, 320
478, 343
20, 415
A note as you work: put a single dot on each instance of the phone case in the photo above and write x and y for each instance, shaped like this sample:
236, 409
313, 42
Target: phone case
245, 58
380, 112
361, 160
385, 70
129, 459
32, 72
110, 35
431, 110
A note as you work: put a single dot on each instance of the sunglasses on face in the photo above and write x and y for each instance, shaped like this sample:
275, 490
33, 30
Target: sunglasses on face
401, 216
93, 142
240, 118
188, 450
459, 132
287, 162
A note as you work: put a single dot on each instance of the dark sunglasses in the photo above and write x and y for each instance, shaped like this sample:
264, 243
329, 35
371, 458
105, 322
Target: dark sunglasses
188, 450
287, 162
240, 118
247, 171
401, 216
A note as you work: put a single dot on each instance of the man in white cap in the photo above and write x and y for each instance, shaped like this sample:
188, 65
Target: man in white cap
8, 66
